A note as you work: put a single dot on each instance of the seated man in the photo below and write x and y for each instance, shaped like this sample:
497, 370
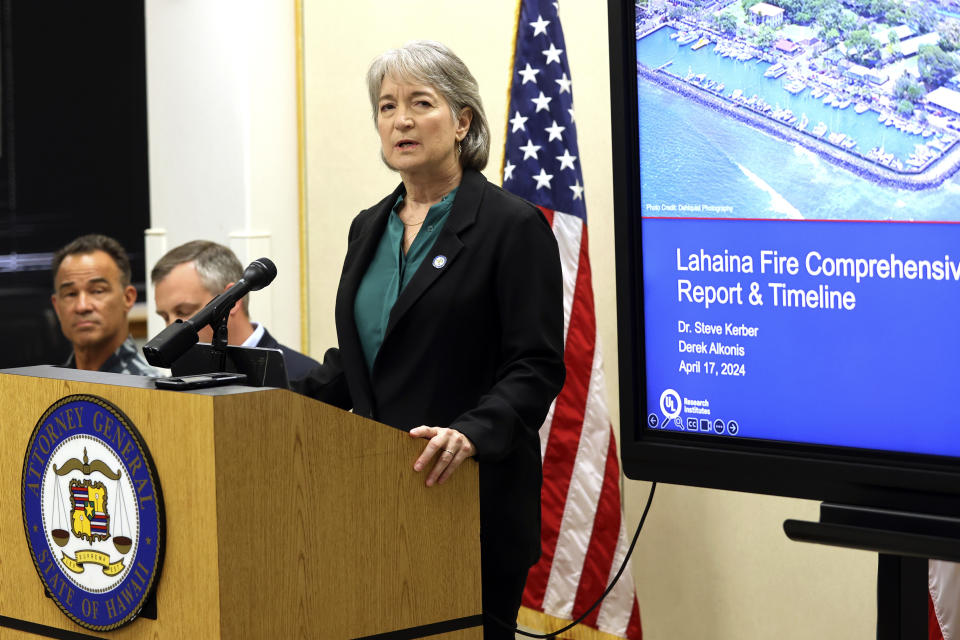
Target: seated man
193, 274
92, 296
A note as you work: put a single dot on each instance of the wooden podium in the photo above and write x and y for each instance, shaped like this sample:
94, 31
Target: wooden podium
285, 518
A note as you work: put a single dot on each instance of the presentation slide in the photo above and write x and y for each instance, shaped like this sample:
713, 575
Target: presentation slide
801, 246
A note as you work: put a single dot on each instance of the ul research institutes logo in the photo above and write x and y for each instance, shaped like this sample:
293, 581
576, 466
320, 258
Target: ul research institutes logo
92, 512
670, 407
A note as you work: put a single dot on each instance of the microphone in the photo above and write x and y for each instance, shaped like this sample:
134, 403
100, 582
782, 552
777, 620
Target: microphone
175, 340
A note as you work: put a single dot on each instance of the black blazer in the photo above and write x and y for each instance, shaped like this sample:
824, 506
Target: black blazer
297, 364
474, 342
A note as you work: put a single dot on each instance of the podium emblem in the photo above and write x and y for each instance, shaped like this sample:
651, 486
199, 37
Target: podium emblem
92, 512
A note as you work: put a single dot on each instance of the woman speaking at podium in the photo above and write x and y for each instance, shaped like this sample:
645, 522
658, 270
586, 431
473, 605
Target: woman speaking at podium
449, 311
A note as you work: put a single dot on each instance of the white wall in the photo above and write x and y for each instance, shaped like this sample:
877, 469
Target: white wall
222, 126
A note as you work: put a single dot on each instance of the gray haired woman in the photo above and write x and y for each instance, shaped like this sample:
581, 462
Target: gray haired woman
450, 310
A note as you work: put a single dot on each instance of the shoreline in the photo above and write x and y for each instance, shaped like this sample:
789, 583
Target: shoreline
931, 176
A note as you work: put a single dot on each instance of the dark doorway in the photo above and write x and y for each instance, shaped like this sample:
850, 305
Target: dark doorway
73, 153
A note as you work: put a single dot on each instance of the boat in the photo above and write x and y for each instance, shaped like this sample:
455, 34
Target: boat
860, 107
719, 88
701, 43
843, 104
882, 117
817, 92
836, 137
674, 35
775, 71
848, 144
804, 121
737, 94
795, 86
687, 38
925, 153
819, 130
828, 98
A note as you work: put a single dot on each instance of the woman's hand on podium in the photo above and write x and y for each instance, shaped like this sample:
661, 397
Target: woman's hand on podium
448, 446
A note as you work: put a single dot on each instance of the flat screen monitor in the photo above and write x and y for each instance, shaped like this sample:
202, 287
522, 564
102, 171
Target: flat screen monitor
788, 252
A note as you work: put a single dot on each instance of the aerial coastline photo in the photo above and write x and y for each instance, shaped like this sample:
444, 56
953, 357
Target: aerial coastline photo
800, 109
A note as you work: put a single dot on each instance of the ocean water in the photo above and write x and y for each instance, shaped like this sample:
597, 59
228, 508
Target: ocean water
692, 154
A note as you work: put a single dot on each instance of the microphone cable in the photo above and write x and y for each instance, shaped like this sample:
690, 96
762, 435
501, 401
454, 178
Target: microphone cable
553, 634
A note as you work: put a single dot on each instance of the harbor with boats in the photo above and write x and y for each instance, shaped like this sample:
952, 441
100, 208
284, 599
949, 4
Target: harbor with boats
851, 129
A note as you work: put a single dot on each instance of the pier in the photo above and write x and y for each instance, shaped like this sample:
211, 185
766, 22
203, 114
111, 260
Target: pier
930, 176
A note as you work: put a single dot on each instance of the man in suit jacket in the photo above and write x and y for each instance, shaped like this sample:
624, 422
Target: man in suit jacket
187, 277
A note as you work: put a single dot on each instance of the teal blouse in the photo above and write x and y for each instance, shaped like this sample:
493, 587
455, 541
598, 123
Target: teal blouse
391, 270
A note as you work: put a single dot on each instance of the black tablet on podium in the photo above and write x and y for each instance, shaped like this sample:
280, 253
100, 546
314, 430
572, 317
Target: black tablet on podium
263, 367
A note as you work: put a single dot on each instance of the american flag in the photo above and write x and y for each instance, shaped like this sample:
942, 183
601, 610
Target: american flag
582, 537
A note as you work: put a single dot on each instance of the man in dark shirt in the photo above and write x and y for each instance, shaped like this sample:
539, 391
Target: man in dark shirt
187, 277
92, 296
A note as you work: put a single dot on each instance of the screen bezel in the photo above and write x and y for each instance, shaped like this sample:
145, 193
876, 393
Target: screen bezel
900, 481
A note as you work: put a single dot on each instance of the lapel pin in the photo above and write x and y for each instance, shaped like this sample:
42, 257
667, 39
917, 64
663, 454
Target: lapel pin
439, 262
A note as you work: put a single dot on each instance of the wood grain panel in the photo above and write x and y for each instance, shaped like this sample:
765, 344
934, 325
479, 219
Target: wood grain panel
335, 496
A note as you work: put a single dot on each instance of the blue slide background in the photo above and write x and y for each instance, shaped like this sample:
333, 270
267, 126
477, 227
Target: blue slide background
880, 376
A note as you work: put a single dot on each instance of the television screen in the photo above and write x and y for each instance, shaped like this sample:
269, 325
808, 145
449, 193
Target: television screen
788, 247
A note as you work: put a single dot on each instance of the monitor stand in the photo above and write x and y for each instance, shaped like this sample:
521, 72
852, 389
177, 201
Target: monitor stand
904, 541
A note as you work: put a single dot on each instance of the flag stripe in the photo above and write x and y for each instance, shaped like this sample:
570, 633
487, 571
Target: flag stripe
583, 499
617, 611
603, 543
548, 214
944, 589
933, 625
567, 230
634, 629
570, 239
564, 433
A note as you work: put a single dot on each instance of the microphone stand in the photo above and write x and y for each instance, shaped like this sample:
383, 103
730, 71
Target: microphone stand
220, 341
179, 338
